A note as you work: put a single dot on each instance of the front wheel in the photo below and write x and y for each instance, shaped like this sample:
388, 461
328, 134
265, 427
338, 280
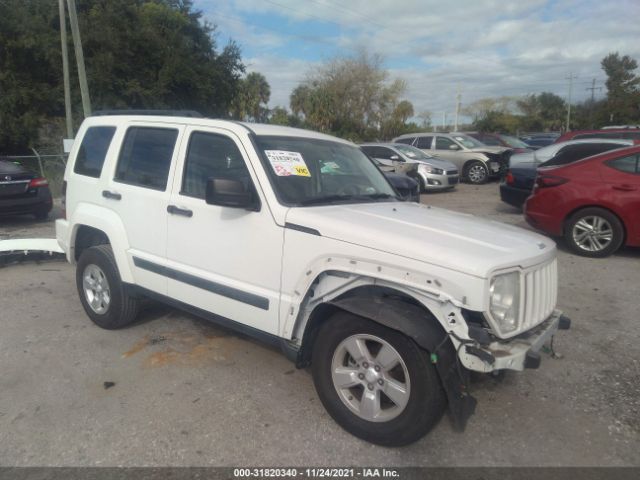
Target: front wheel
477, 173
594, 232
375, 382
102, 293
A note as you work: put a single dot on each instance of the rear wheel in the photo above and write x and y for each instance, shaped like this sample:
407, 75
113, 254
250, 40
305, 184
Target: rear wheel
476, 172
375, 382
594, 232
101, 291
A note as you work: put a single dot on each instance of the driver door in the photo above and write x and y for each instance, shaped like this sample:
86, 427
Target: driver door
224, 260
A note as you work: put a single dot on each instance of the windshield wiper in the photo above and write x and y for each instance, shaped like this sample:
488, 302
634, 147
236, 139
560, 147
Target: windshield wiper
325, 199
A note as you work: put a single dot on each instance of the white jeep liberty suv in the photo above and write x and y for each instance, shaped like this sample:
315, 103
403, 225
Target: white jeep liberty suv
297, 238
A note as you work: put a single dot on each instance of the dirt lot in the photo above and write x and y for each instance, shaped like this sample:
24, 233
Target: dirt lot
174, 390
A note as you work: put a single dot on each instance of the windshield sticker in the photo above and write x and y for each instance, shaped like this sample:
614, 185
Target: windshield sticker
287, 163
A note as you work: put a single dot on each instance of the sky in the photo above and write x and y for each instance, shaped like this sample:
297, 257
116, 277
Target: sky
481, 48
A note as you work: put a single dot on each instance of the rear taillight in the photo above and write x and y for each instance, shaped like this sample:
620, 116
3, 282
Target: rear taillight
545, 181
509, 178
38, 182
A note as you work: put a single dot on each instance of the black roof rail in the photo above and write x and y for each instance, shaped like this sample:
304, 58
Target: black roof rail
168, 113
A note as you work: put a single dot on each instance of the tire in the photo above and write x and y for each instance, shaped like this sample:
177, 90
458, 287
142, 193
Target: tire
398, 422
476, 173
101, 290
594, 232
421, 185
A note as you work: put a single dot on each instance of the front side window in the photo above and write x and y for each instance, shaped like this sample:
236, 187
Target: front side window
309, 171
443, 143
211, 155
93, 151
468, 141
145, 157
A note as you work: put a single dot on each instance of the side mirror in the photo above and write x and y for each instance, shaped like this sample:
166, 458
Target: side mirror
454, 147
229, 193
395, 158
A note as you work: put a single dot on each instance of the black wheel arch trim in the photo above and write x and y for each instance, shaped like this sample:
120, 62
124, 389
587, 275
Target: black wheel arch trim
417, 323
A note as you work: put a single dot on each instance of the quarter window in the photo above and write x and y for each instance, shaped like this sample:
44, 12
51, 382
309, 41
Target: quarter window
630, 164
145, 157
211, 155
93, 151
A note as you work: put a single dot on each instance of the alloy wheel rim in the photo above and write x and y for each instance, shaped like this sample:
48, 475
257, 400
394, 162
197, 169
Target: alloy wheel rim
477, 173
371, 378
96, 289
592, 233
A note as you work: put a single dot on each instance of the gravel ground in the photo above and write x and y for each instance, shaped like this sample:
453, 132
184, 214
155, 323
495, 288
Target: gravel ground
174, 390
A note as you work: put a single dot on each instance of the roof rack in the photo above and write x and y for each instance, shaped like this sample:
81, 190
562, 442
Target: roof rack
168, 113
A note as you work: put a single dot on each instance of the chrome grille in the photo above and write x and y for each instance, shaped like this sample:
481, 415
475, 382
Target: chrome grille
541, 294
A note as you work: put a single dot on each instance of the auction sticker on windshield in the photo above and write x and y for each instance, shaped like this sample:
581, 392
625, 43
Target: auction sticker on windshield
287, 163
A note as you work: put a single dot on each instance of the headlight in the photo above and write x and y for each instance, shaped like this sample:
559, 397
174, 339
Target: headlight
430, 169
504, 300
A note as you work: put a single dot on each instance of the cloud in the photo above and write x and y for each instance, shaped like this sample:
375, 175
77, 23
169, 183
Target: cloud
486, 48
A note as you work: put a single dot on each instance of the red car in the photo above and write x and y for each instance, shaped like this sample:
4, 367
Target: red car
629, 133
594, 203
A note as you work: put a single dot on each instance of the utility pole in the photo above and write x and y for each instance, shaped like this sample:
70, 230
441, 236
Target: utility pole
65, 69
593, 88
571, 78
77, 44
458, 96
444, 121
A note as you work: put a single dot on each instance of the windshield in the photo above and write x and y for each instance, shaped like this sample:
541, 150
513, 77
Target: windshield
306, 171
468, 141
513, 142
412, 152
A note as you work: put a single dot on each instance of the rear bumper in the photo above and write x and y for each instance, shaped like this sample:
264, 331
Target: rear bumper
513, 196
518, 352
62, 236
39, 201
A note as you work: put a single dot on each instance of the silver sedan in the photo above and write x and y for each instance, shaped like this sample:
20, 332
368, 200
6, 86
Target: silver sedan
431, 173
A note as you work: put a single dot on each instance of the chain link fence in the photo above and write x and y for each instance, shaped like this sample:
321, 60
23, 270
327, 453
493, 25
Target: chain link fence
50, 167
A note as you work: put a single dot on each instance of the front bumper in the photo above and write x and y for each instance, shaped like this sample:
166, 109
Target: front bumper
517, 353
433, 182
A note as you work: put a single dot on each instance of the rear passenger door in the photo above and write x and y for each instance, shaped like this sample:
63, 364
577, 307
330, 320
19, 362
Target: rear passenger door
622, 177
138, 192
222, 259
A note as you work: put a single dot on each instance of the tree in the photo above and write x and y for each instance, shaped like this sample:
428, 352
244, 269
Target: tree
544, 111
138, 54
623, 94
280, 116
30, 73
253, 96
348, 96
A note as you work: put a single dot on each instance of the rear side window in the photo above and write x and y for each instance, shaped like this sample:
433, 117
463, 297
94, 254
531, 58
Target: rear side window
630, 164
424, 142
145, 157
406, 140
574, 153
93, 151
212, 155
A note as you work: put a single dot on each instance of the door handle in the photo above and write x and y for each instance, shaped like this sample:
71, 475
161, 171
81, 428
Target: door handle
173, 210
111, 195
624, 187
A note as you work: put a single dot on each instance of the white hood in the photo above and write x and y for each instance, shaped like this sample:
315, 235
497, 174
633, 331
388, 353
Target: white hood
457, 241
